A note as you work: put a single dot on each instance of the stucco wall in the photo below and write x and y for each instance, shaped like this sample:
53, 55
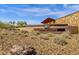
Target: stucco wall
30, 29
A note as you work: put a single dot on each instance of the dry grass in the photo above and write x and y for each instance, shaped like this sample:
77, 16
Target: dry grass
44, 43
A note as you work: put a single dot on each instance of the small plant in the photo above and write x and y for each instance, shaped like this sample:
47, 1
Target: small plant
44, 36
25, 35
60, 41
24, 31
66, 35
36, 33
50, 35
5, 33
1, 37
33, 37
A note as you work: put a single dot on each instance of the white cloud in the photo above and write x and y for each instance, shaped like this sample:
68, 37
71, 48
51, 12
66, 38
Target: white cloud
40, 11
44, 11
72, 7
57, 13
75, 7
37, 10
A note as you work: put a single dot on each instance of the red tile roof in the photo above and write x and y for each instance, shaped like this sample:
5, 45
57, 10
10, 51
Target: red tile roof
47, 20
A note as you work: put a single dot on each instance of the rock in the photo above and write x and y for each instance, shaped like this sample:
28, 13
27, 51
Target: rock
21, 50
29, 51
16, 50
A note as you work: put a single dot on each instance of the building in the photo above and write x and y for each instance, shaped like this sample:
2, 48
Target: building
72, 20
48, 21
68, 23
57, 28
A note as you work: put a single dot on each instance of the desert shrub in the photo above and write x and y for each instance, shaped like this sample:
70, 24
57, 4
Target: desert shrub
1, 37
19, 33
25, 35
66, 35
35, 33
18, 29
5, 33
44, 36
33, 37
60, 40
2, 25
50, 34
9, 29
6, 26
24, 31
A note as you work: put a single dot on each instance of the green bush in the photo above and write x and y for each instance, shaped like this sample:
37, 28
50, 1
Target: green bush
60, 39
5, 25
50, 34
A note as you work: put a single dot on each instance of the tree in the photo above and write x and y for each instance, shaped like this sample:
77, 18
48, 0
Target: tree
4, 25
21, 23
12, 22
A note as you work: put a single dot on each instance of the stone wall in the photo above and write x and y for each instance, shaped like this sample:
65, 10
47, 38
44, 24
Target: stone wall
72, 19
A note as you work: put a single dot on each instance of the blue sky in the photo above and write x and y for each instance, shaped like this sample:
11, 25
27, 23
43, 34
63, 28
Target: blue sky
35, 13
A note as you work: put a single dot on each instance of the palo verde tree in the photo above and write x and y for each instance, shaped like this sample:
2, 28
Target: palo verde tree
12, 22
21, 23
